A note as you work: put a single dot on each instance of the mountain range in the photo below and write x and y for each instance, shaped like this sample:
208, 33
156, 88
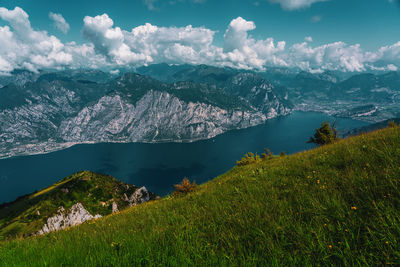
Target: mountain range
46, 111
41, 113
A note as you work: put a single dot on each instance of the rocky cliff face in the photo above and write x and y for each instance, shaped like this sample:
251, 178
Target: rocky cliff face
75, 216
53, 112
157, 116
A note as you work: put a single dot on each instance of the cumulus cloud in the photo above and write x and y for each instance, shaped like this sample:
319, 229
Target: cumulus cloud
59, 22
147, 43
295, 4
109, 46
21, 46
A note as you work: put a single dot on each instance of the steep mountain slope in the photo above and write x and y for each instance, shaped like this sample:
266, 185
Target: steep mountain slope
61, 109
247, 85
87, 193
334, 205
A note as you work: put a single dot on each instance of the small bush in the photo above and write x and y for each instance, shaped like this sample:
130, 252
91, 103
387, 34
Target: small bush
184, 187
267, 154
283, 153
327, 134
249, 158
392, 124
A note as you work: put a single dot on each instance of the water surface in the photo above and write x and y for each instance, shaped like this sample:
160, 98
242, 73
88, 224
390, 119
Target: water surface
160, 166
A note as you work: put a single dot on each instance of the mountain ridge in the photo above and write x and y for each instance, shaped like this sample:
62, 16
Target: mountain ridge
53, 113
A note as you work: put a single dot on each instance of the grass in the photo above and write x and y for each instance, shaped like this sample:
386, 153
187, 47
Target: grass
29, 213
335, 205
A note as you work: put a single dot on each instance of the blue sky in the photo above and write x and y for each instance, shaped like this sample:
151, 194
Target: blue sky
372, 24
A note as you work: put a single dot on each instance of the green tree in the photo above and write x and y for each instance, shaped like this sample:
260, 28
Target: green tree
327, 134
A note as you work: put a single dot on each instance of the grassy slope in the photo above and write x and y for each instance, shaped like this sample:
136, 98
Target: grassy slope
337, 204
28, 214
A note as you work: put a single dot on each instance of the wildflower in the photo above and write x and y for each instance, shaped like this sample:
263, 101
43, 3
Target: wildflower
330, 246
387, 242
354, 208
317, 181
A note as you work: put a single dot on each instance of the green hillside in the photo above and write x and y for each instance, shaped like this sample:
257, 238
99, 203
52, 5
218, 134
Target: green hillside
96, 192
335, 205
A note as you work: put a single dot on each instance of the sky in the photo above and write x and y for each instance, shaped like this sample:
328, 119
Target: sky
313, 35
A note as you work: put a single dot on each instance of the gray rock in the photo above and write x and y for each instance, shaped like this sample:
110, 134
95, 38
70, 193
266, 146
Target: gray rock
75, 216
141, 195
114, 207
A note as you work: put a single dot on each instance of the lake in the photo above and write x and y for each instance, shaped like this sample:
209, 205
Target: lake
160, 166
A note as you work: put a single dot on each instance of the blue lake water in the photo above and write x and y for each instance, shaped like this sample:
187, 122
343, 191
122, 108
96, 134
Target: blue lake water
160, 166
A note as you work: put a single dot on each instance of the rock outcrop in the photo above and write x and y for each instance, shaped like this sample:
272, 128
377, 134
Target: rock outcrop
141, 195
114, 207
76, 215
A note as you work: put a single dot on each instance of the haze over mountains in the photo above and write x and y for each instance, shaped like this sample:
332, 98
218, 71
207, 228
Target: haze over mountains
174, 103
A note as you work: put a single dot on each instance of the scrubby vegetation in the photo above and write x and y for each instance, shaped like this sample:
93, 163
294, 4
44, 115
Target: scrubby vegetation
327, 134
184, 187
249, 158
392, 124
335, 205
95, 191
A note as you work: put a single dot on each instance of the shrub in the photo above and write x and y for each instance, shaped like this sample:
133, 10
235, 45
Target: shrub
184, 187
283, 153
267, 154
392, 124
327, 134
249, 158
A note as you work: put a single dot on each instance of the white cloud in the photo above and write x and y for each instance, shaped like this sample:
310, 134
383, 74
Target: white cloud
295, 4
21, 46
59, 22
147, 43
308, 39
110, 46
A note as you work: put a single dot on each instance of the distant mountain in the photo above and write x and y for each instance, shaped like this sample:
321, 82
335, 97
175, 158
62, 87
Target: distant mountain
372, 127
364, 96
18, 77
79, 75
74, 200
250, 86
63, 108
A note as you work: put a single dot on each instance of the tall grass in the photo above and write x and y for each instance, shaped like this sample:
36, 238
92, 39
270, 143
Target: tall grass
335, 205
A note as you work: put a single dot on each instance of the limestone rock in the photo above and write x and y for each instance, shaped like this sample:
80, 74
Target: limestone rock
76, 215
141, 195
114, 207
